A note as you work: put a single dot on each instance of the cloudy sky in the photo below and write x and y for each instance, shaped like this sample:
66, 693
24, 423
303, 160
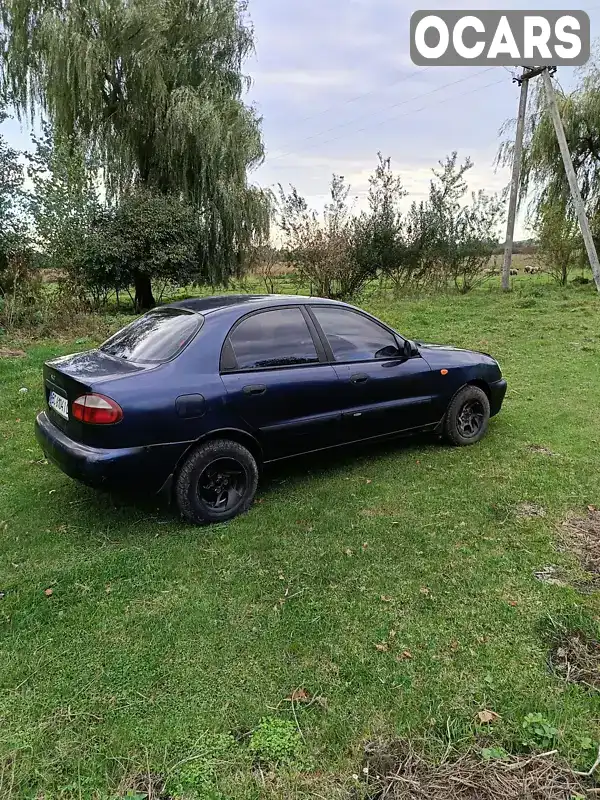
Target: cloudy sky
334, 84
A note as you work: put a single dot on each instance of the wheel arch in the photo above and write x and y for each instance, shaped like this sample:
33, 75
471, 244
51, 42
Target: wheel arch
480, 384
244, 438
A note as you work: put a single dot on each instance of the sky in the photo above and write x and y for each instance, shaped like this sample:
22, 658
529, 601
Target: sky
334, 84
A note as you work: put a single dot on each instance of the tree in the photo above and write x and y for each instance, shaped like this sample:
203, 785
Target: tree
15, 252
11, 186
448, 237
153, 89
560, 244
65, 199
378, 235
544, 181
319, 248
153, 236
463, 235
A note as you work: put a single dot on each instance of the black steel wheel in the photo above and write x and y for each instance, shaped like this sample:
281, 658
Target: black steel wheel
217, 482
471, 419
468, 417
222, 485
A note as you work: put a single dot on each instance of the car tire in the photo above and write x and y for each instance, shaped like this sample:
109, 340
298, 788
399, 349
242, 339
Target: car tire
468, 417
216, 483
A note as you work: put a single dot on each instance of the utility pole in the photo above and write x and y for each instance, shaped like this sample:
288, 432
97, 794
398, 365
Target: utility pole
572, 178
523, 81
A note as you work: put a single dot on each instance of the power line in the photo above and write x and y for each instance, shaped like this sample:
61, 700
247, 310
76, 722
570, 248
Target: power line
395, 105
418, 110
364, 94
388, 108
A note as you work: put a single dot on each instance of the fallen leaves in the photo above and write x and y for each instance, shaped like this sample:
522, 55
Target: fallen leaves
386, 599
404, 656
424, 590
299, 696
302, 696
487, 717
383, 647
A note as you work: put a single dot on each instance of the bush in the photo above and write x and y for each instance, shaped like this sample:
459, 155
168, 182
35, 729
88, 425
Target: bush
147, 239
319, 249
20, 283
378, 244
458, 238
560, 245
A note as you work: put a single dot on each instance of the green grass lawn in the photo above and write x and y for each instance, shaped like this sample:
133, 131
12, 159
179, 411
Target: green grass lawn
162, 647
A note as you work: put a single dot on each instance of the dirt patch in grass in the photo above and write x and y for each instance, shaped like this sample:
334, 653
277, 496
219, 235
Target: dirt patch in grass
396, 772
8, 353
540, 449
553, 576
575, 657
530, 511
582, 536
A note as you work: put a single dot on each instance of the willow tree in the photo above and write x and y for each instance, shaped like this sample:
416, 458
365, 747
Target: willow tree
154, 90
544, 181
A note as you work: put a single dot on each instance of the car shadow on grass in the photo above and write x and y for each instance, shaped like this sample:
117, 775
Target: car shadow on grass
139, 515
333, 462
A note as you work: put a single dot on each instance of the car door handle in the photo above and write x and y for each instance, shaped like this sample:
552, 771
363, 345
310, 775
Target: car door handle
255, 390
359, 378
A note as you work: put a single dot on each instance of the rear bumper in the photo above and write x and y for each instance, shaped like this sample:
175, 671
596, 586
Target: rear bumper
126, 469
497, 395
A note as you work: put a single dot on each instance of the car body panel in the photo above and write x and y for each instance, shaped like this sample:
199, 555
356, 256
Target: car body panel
386, 397
463, 366
288, 409
170, 407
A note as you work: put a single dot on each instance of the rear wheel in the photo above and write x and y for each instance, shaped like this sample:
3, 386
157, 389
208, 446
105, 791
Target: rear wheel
468, 417
217, 482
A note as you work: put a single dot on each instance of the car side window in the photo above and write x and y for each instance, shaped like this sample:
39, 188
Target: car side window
277, 338
353, 337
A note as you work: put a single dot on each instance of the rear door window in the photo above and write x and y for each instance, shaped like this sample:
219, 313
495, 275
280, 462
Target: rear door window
156, 337
277, 338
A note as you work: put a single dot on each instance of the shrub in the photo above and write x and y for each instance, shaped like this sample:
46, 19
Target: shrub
560, 244
147, 240
321, 250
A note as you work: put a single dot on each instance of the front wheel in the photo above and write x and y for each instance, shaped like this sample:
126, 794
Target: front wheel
468, 417
216, 483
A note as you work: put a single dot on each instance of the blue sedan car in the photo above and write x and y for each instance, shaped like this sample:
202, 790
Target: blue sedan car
193, 398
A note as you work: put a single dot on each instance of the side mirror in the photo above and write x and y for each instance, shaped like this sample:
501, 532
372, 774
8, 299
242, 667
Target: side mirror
388, 352
410, 349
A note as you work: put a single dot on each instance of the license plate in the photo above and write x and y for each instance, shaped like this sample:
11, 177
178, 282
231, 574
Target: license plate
59, 404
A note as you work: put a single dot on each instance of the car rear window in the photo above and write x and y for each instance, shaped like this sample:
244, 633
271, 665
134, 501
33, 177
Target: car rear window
156, 337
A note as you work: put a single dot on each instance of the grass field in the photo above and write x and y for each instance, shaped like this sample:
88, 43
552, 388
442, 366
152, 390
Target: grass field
394, 586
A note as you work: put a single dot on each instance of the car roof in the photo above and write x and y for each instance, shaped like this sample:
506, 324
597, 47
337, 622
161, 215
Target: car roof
210, 305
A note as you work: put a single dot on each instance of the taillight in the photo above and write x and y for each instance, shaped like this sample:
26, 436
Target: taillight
96, 409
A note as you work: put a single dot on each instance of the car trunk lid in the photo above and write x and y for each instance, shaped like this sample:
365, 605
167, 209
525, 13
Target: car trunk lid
67, 378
